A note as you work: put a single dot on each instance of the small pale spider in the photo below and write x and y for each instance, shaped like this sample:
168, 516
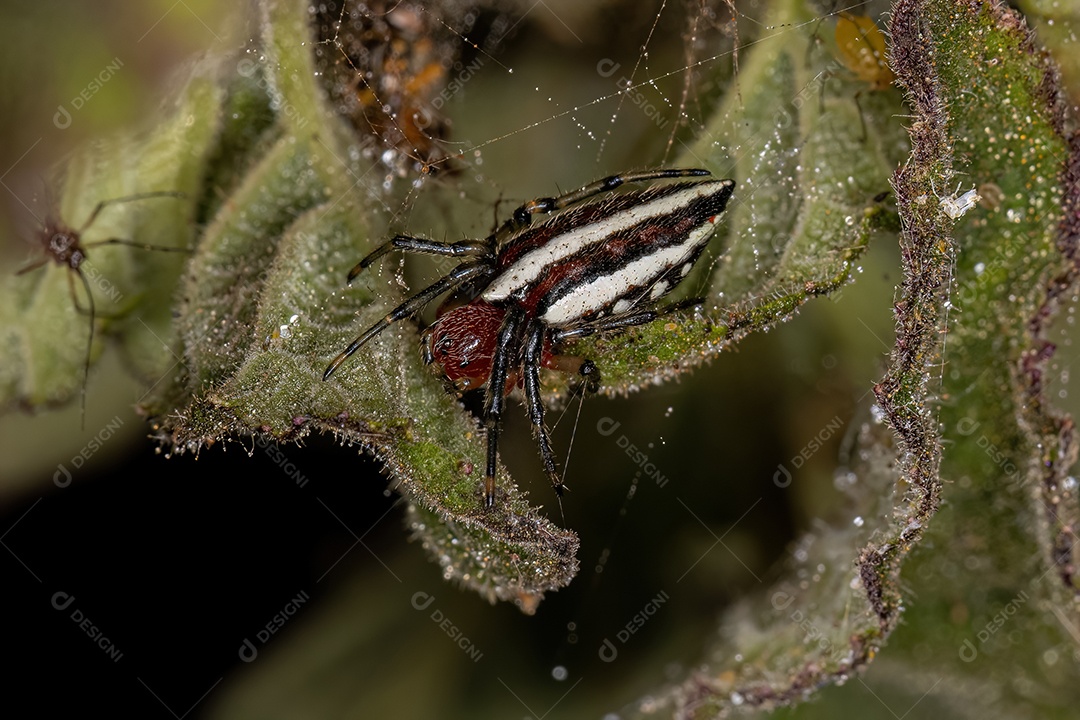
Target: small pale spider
593, 268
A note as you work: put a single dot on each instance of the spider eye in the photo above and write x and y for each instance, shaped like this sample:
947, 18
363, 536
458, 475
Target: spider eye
466, 383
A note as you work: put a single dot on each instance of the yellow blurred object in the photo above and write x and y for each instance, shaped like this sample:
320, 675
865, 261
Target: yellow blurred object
862, 50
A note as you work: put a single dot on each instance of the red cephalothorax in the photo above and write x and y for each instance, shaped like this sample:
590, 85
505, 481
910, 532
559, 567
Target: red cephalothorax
461, 343
592, 268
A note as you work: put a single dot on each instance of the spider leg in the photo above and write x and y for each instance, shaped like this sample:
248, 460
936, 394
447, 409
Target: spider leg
862, 117
572, 365
506, 352
89, 339
408, 243
534, 345
90, 312
588, 371
522, 217
132, 243
32, 266
127, 198
618, 322
459, 276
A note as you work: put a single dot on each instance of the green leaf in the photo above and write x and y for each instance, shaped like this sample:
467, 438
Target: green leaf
45, 334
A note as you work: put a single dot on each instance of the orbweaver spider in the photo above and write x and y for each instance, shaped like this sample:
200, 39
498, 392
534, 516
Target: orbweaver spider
593, 268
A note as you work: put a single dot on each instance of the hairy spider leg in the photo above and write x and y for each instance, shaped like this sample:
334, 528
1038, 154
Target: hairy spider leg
75, 259
619, 322
534, 344
522, 217
536, 335
423, 246
510, 338
457, 277
534, 347
506, 351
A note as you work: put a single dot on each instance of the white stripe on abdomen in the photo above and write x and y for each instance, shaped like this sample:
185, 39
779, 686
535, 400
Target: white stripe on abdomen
607, 290
532, 264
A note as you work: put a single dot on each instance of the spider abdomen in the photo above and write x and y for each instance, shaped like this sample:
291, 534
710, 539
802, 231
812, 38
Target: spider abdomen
606, 258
